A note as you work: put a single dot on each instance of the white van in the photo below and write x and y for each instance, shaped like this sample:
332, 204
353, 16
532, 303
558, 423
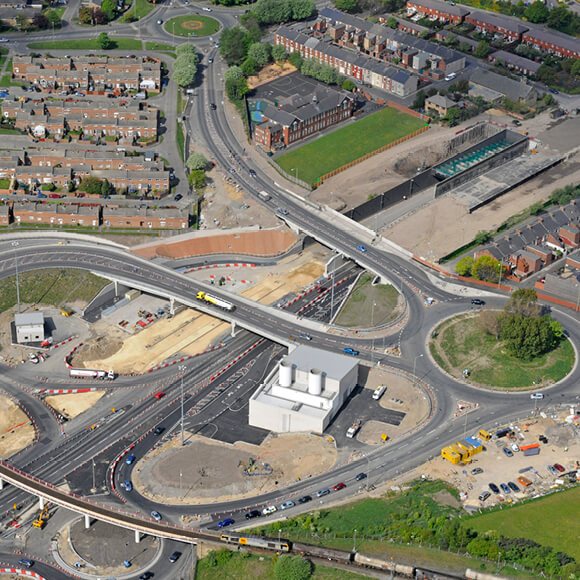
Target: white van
450, 76
379, 392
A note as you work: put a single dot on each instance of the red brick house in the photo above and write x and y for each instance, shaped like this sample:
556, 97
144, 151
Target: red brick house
552, 42
436, 10
496, 25
134, 217
570, 235
56, 214
525, 263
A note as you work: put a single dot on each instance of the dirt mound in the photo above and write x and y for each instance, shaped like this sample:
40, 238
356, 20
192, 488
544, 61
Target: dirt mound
96, 349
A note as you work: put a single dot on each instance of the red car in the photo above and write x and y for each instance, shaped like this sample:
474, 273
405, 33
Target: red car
159, 395
559, 467
339, 486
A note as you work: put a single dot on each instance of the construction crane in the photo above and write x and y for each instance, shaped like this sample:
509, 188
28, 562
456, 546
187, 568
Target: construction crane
42, 518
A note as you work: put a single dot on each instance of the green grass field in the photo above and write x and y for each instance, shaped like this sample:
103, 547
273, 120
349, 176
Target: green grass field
53, 286
359, 310
462, 344
159, 46
140, 9
351, 142
192, 25
551, 521
87, 44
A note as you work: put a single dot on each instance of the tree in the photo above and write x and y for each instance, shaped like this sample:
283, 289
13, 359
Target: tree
272, 11
289, 567
490, 322
464, 46
104, 42
419, 102
527, 338
184, 75
40, 21
301, 9
99, 17
559, 18
261, 52
453, 116
482, 237
486, 268
463, 267
451, 39
295, 59
347, 5
91, 184
249, 67
537, 12
107, 188
524, 302
234, 44
575, 68
196, 161
109, 8
252, 25
236, 89
198, 179
186, 49
234, 73
186, 60
536, 208
348, 85
85, 15
53, 18
279, 53
482, 49
460, 86
392, 22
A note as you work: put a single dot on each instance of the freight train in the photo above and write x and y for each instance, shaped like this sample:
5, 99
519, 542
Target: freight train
219, 302
351, 558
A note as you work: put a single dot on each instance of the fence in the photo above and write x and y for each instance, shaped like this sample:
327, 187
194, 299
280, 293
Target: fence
369, 155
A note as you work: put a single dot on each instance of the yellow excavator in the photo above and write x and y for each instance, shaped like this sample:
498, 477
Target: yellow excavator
42, 518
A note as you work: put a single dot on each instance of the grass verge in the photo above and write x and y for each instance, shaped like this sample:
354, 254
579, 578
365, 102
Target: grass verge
351, 142
87, 44
180, 138
462, 344
52, 286
139, 10
159, 46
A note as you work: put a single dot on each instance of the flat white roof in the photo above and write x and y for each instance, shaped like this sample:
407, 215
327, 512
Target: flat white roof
29, 319
335, 366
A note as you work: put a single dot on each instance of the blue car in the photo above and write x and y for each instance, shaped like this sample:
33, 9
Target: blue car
130, 459
361, 248
225, 523
349, 350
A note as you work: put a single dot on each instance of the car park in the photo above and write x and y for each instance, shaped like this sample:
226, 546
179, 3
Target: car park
505, 488
305, 499
513, 486
225, 523
287, 505
174, 557
128, 485
552, 470
253, 514
349, 350
361, 476
269, 509
156, 515
361, 248
322, 492
483, 496
130, 459
339, 486
477, 301
494, 487
559, 467
508, 451
537, 396
476, 471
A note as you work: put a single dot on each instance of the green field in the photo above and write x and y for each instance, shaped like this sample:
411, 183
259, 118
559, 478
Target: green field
53, 286
462, 344
359, 310
160, 46
140, 9
355, 140
192, 25
243, 566
87, 44
551, 521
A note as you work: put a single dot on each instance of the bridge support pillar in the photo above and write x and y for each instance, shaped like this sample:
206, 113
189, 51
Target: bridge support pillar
87, 522
233, 332
1, 484
172, 306
137, 536
116, 287
40, 503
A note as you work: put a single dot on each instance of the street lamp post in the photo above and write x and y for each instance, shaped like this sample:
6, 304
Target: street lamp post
354, 540
15, 245
182, 369
295, 169
578, 298
414, 367
500, 269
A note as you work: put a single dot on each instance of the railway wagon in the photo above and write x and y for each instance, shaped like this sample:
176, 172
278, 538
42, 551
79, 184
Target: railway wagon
257, 542
323, 552
475, 575
381, 564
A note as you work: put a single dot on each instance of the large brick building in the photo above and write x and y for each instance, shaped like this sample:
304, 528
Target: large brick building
437, 10
297, 117
496, 25
552, 42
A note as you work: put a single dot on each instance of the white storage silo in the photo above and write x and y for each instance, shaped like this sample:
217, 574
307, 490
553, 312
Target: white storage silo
285, 373
315, 381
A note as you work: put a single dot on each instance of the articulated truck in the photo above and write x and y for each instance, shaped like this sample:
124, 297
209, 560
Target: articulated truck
92, 374
219, 302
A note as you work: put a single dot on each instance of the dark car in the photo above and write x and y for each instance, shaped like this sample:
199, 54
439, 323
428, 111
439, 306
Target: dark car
339, 486
27, 562
505, 488
477, 301
361, 476
494, 487
225, 523
483, 496
146, 576
253, 514
212, 106
476, 471
305, 499
159, 430
554, 91
128, 485
508, 452
516, 123
513, 486
174, 557
178, 197
252, 173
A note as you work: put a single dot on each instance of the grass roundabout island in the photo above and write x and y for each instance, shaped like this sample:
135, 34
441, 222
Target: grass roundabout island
192, 25
474, 341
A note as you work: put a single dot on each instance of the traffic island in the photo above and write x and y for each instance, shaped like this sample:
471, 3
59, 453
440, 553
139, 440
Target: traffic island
102, 549
192, 25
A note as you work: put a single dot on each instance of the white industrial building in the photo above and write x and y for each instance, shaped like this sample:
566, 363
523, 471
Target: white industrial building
304, 392
29, 327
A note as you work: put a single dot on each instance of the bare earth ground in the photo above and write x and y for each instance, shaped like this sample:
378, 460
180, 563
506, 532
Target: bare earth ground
269, 73
16, 430
213, 471
190, 332
72, 405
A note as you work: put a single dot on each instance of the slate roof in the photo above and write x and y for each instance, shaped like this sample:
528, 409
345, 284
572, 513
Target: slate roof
516, 60
552, 37
514, 90
498, 20
442, 7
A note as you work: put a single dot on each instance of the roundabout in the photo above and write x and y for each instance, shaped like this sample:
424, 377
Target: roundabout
192, 25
